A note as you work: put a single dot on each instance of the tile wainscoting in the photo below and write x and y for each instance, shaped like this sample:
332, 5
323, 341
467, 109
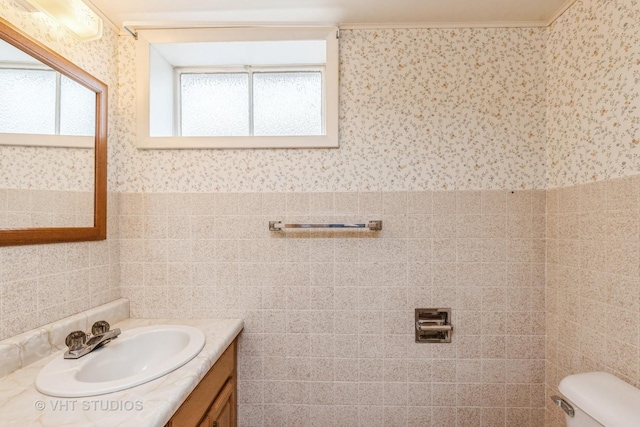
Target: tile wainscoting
26, 208
40, 284
593, 287
329, 314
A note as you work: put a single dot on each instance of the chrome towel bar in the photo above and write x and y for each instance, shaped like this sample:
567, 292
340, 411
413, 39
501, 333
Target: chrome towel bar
371, 225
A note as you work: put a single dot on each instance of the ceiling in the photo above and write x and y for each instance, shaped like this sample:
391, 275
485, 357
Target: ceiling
347, 13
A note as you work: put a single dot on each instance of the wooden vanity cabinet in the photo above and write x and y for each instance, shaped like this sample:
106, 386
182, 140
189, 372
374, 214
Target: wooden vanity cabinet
213, 403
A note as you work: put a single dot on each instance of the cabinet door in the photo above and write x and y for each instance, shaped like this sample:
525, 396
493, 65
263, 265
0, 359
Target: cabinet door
206, 401
221, 411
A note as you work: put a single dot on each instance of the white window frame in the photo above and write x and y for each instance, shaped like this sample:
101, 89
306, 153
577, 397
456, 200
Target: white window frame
330, 87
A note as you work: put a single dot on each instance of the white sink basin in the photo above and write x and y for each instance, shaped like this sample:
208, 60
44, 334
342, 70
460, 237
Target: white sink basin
137, 356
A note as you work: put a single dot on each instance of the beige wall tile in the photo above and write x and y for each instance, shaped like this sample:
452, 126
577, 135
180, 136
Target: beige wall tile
370, 203
274, 204
444, 203
569, 199
469, 226
622, 193
394, 203
18, 200
321, 203
519, 202
249, 203
297, 203
494, 202
179, 204
346, 203
469, 202
444, 226
419, 202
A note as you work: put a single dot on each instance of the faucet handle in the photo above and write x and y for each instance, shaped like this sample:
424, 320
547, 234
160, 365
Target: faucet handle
100, 327
75, 340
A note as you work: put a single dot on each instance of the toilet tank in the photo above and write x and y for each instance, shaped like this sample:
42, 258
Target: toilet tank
599, 398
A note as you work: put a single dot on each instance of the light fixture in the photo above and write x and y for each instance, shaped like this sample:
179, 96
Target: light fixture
73, 14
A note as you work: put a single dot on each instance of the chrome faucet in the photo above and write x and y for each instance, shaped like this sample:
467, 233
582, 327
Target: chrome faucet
81, 344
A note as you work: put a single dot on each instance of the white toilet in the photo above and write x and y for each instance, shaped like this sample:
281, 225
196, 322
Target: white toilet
599, 399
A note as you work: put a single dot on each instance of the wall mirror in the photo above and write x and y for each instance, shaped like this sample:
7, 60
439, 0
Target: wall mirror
53, 145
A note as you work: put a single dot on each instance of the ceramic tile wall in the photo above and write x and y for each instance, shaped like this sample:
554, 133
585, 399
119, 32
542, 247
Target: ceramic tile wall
21, 208
593, 285
329, 315
43, 283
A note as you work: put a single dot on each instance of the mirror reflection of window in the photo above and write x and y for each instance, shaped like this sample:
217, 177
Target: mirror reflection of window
35, 99
27, 101
43, 102
77, 109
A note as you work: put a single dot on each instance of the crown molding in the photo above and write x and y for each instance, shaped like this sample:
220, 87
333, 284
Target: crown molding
443, 25
560, 11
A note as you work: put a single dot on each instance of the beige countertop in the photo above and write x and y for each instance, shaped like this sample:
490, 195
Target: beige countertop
149, 404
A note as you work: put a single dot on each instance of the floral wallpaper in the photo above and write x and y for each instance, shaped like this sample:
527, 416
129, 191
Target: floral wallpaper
433, 109
47, 168
594, 92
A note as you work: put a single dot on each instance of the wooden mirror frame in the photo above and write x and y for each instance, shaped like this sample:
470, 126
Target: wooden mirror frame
29, 236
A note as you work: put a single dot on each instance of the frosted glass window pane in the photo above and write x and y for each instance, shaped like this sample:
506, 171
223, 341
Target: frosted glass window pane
215, 104
77, 109
287, 103
27, 101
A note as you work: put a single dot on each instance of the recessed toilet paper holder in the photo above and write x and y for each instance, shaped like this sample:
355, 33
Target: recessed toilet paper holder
433, 325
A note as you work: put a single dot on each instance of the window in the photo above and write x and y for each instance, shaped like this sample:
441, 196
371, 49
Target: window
214, 104
276, 102
237, 88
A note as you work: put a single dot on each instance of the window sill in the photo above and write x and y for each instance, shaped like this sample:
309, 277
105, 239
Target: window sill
237, 142
33, 140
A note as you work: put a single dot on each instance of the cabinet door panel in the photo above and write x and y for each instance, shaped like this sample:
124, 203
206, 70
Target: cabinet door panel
221, 409
224, 417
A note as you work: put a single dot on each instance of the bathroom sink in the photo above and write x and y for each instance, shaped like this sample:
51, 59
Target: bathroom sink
138, 355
